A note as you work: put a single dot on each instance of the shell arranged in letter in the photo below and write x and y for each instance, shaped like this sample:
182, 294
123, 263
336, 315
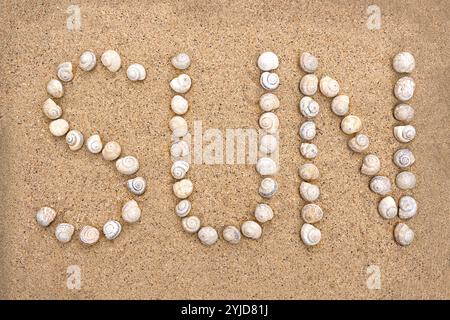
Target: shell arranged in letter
111, 60
136, 72
111, 229
51, 109
89, 235
137, 185
87, 61
231, 234
310, 235
266, 166
64, 232
64, 71
269, 80
127, 165
131, 212
251, 230
74, 139
268, 188
45, 216
207, 235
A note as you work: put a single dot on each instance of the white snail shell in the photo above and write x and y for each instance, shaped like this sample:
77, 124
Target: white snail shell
111, 151
178, 126
179, 149
87, 61
404, 62
404, 88
268, 144
94, 144
179, 105
403, 234
51, 109
231, 234
309, 107
268, 188
340, 105
407, 207
405, 180
359, 143
137, 185
309, 150
404, 158
111, 229
404, 113
181, 61
268, 61
266, 166
308, 62
269, 122
351, 124
131, 212
183, 208
251, 230
387, 208
89, 235
136, 72
127, 165
404, 133
208, 235
179, 169
309, 192
263, 213
183, 188
371, 165
55, 88
380, 185
310, 235
308, 84
308, 172
269, 102
64, 232
64, 71
312, 213
181, 84
269, 80
74, 139
111, 60
45, 216
329, 87
58, 127
307, 130
190, 224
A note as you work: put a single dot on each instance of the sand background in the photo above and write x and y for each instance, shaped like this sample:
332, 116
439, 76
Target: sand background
155, 259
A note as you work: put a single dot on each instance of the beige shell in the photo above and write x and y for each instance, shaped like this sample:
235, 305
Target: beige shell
308, 84
404, 62
269, 80
309, 192
307, 130
310, 235
112, 229
64, 71
207, 235
181, 84
179, 169
179, 149
268, 61
183, 208
329, 87
371, 165
269, 102
405, 180
55, 88
111, 151
269, 122
308, 62
88, 61
403, 234
351, 124
64, 232
404, 133
74, 139
179, 105
45, 216
181, 61
136, 72
387, 208
266, 166
251, 230
312, 213
268, 144
178, 126
231, 234
380, 185
267, 188
183, 188
127, 165
94, 144
404, 158
263, 213
111, 60
309, 150
89, 235
407, 206
404, 88
308, 172
191, 224
137, 185
404, 113
59, 127
309, 107
359, 143
131, 212
51, 109
340, 105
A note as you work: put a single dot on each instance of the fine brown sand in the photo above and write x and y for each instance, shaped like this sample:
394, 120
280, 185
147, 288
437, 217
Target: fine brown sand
155, 259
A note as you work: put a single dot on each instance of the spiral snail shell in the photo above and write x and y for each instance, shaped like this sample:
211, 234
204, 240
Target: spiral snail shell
191, 224
309, 107
404, 88
308, 62
111, 229
179, 105
131, 212
268, 61
308, 84
231, 234
266, 166
310, 235
351, 124
87, 61
137, 185
127, 165
51, 109
405, 180
111, 151
181, 84
404, 158
89, 235
183, 188
387, 208
58, 127
251, 230
268, 144
179, 149
179, 169
74, 139
181, 61
407, 206
45, 216
312, 213
308, 172
359, 143
183, 208
64, 71
111, 60
269, 102
380, 185
309, 192
64, 232
55, 88
269, 80
94, 144
404, 133
404, 113
263, 213
371, 165
267, 188
207, 235
136, 72
329, 87
178, 126
269, 122
309, 150
340, 105
307, 130
403, 234
404, 62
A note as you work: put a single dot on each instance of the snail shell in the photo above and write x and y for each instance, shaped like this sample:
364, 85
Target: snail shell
310, 235
269, 80
263, 213
179, 169
183, 188
59, 127
231, 234
268, 188
51, 109
266, 166
74, 139
131, 212
45, 216
404, 62
309, 150
312, 213
269, 102
111, 60
371, 165
111, 151
136, 72
178, 126
404, 158
112, 229
308, 62
268, 144
340, 105
329, 87
87, 61
269, 122
137, 185
404, 133
208, 235
407, 207
268, 61
309, 107
190, 224
308, 84
181, 61
351, 124
308, 172
403, 234
64, 71
94, 144
251, 230
307, 130
179, 105
64, 232
404, 113
380, 185
89, 235
404, 88
405, 180
181, 84
127, 165
179, 149
387, 208
55, 88
183, 208
309, 192
359, 143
